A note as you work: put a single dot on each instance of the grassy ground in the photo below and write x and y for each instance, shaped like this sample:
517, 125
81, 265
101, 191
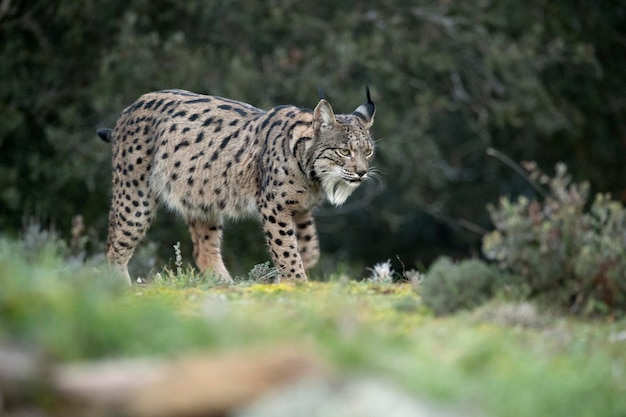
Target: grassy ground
503, 359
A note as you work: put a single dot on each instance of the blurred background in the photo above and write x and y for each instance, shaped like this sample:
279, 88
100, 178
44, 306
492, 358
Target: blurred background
537, 80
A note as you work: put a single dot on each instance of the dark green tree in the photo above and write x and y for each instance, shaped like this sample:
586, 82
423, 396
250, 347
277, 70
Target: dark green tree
537, 80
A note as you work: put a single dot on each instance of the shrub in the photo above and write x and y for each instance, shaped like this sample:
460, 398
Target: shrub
559, 248
449, 286
265, 272
72, 311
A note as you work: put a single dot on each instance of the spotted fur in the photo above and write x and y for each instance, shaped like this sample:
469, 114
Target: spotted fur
210, 158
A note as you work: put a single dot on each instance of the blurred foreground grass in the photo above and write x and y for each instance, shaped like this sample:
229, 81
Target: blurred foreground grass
504, 359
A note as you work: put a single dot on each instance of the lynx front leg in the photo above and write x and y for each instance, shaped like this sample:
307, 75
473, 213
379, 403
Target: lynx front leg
308, 244
207, 240
281, 238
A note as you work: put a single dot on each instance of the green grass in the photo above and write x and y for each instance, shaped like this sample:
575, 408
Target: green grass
483, 360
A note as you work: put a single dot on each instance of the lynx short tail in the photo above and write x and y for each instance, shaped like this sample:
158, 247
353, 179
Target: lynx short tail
105, 134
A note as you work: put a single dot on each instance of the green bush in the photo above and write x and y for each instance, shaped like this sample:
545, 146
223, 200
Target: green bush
72, 311
558, 247
449, 286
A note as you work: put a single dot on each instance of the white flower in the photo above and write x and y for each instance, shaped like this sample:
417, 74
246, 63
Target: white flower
414, 276
382, 272
179, 259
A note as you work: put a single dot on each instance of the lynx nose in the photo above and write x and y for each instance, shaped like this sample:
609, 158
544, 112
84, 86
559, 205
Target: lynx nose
361, 173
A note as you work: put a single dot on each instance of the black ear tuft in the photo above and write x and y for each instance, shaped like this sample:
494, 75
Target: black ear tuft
320, 92
367, 110
369, 98
371, 107
105, 134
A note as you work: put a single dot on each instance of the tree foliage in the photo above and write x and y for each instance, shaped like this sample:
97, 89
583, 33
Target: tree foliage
538, 80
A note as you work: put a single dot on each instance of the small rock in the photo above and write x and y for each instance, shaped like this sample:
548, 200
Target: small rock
214, 385
327, 397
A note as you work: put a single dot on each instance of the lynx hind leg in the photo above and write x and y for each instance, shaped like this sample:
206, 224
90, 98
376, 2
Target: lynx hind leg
129, 220
207, 252
308, 244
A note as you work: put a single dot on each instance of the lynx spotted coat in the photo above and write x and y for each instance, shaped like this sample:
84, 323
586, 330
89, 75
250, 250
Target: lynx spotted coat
210, 158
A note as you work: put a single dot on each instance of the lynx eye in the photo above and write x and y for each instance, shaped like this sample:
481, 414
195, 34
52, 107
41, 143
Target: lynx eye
369, 152
345, 152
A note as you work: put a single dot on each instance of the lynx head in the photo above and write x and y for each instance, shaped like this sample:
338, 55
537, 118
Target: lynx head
344, 148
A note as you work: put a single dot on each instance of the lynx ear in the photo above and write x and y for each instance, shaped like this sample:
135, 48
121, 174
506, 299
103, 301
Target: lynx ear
323, 116
366, 111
